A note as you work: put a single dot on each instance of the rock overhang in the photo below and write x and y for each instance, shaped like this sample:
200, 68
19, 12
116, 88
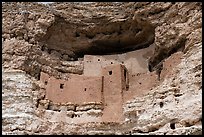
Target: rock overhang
97, 34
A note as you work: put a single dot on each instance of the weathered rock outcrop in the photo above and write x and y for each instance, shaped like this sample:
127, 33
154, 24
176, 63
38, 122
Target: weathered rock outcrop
54, 38
92, 30
18, 115
66, 32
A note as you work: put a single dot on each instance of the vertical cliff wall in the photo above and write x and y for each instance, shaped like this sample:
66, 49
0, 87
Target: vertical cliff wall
56, 39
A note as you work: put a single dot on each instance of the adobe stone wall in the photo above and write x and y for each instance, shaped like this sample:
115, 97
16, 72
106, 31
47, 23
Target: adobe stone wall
140, 84
92, 65
170, 63
76, 89
113, 96
135, 61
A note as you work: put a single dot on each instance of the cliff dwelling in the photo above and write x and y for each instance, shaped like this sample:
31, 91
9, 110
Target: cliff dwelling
95, 68
105, 65
108, 81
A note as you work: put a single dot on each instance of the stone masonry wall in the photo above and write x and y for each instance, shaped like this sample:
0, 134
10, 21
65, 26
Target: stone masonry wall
76, 89
113, 96
135, 61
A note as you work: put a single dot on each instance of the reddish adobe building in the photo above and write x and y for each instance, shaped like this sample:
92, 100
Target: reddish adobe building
78, 89
113, 86
115, 81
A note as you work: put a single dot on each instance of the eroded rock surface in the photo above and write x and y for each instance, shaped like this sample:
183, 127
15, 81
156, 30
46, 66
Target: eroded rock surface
66, 32
54, 39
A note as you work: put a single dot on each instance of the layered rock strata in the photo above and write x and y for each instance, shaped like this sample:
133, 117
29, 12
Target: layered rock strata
54, 39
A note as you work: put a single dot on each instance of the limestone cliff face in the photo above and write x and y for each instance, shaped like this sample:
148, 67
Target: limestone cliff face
54, 39
65, 32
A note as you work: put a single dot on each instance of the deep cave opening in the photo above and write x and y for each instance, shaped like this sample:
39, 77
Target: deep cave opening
70, 37
155, 63
72, 115
49, 107
172, 125
70, 41
161, 104
77, 34
187, 124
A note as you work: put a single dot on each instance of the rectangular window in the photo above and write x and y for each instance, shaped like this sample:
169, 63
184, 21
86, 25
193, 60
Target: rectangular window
110, 72
61, 86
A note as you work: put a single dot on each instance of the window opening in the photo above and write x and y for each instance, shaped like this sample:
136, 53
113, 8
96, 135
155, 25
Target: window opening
110, 72
61, 86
